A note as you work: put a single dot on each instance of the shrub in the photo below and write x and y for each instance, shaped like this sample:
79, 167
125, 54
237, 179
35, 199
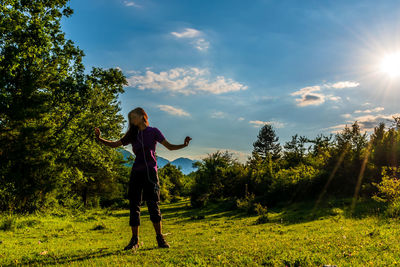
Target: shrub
260, 209
249, 205
199, 201
262, 219
389, 187
393, 210
389, 190
7, 224
246, 204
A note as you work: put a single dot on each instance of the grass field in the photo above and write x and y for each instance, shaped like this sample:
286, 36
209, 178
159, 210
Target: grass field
215, 235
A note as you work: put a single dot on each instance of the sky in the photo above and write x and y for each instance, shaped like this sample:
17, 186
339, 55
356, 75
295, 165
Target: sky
218, 70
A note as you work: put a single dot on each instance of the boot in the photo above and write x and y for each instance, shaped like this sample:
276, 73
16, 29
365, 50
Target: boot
133, 244
161, 241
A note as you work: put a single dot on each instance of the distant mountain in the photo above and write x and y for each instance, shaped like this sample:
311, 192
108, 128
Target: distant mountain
161, 162
185, 164
126, 154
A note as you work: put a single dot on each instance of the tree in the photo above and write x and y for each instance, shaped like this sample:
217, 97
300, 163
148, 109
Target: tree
171, 181
321, 145
267, 143
348, 154
210, 179
295, 150
48, 105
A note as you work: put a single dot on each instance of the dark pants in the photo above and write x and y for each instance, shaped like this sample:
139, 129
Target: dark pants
140, 185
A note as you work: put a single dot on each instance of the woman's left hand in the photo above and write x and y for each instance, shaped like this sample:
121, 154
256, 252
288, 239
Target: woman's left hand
187, 140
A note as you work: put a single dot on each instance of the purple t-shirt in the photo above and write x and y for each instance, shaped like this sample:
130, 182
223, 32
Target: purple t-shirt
150, 137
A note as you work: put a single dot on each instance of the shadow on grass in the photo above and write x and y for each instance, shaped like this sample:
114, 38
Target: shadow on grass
50, 259
329, 208
214, 210
170, 208
285, 213
182, 211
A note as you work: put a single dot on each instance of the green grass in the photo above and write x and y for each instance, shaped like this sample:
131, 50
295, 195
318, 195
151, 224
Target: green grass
215, 235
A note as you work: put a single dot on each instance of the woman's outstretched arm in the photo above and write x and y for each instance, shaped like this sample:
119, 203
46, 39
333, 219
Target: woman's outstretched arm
106, 142
170, 146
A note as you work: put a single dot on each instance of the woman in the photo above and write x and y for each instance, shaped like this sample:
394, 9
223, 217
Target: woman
144, 176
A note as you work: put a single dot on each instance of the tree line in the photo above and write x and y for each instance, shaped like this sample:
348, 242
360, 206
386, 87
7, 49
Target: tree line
348, 164
50, 104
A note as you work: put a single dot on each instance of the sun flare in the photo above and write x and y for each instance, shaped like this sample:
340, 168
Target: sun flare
390, 64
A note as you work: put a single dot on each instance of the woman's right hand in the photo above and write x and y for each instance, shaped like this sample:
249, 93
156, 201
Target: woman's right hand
97, 132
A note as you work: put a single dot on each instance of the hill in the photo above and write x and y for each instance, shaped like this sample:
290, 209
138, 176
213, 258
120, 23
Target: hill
185, 164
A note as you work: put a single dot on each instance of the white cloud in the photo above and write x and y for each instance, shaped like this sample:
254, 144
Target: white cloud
197, 38
337, 128
313, 95
240, 119
378, 109
131, 3
185, 81
218, 115
342, 85
366, 122
173, 110
187, 33
308, 96
258, 123
333, 98
201, 44
346, 115
369, 122
307, 90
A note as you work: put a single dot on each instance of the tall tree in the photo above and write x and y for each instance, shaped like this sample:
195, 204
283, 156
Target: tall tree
47, 107
267, 143
295, 150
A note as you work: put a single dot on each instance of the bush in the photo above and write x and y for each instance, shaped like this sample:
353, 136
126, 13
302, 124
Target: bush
199, 201
115, 203
246, 204
262, 219
7, 224
249, 205
292, 183
260, 209
389, 187
262, 212
7, 196
175, 199
393, 211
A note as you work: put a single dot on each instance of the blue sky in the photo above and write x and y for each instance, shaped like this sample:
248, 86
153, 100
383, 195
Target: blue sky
219, 70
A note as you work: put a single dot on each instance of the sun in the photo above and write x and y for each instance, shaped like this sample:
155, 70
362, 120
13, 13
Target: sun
390, 65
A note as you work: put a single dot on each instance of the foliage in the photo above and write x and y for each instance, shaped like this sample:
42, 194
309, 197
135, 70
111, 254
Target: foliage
219, 175
267, 143
389, 190
48, 109
171, 182
343, 165
49, 159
